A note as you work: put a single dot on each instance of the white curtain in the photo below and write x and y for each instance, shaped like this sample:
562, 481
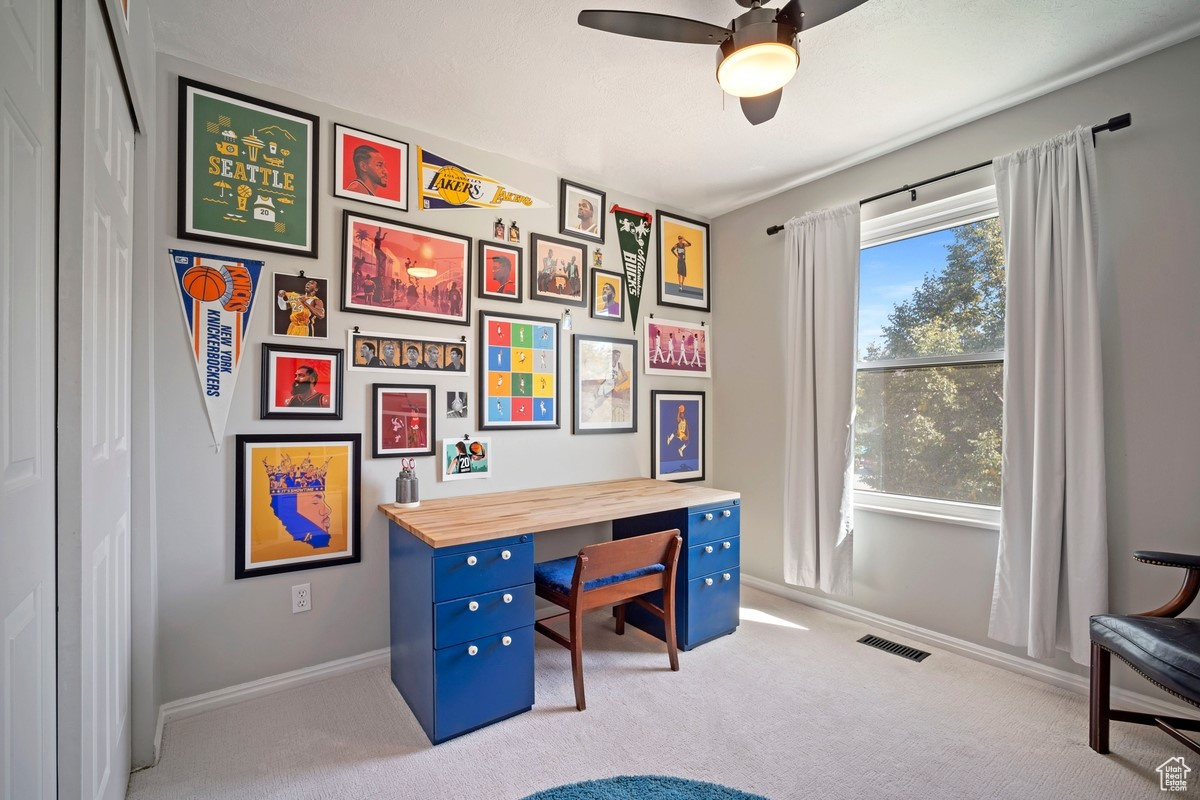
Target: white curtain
1052, 569
821, 260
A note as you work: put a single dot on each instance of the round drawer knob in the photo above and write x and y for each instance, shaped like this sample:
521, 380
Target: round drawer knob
506, 641
708, 517
726, 545
506, 555
708, 548
473, 605
708, 581
472, 561
472, 650
508, 598
726, 513
727, 576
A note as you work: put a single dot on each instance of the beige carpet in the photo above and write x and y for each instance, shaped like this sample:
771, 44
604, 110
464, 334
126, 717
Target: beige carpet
790, 706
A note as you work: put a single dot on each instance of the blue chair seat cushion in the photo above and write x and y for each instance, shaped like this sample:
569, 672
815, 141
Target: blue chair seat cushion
557, 575
1166, 650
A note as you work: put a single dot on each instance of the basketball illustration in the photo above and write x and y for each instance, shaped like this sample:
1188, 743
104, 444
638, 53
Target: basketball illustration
204, 283
452, 184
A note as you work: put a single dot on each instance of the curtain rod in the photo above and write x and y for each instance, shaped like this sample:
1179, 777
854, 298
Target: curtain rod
1114, 124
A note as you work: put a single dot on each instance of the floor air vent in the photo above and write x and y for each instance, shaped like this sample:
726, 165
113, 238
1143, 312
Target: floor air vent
903, 650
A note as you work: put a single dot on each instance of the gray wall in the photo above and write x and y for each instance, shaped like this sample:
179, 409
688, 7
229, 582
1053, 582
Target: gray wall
939, 576
216, 632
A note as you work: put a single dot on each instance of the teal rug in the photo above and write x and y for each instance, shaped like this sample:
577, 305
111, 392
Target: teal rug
643, 787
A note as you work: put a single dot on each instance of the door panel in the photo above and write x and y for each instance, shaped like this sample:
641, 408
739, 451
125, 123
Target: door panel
27, 448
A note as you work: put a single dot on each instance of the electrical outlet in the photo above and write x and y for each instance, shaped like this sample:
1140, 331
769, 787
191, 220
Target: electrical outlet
301, 598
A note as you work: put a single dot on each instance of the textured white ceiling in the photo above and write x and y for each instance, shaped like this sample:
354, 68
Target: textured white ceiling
647, 118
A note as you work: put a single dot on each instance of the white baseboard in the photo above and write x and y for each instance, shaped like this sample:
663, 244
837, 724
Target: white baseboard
191, 706
1122, 698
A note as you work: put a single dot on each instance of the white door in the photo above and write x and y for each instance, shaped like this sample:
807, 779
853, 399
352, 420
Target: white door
94, 349
27, 450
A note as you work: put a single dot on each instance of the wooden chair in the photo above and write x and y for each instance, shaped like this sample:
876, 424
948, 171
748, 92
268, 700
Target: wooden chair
606, 574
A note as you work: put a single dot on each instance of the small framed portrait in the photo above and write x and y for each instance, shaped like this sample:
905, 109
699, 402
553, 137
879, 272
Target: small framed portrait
683, 262
608, 295
300, 306
402, 270
297, 503
677, 348
403, 420
456, 405
395, 352
677, 436
518, 374
499, 272
557, 267
370, 168
605, 389
466, 459
300, 382
581, 211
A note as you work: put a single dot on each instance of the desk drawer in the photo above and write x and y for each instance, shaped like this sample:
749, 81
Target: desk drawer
719, 523
485, 569
455, 621
495, 682
712, 606
719, 555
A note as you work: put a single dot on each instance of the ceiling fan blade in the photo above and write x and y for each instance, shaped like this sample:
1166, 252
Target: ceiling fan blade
814, 12
762, 108
654, 26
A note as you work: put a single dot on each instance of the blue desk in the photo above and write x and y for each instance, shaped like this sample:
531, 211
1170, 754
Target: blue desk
461, 581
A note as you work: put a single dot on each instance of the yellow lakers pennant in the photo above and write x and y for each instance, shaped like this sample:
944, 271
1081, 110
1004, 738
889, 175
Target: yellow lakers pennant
445, 184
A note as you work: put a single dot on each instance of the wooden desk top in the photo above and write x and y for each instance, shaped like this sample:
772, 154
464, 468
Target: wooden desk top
448, 521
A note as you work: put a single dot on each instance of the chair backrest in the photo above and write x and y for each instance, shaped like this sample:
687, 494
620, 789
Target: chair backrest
606, 559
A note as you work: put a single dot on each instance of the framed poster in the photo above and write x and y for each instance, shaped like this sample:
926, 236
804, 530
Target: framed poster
605, 385
518, 372
677, 436
608, 295
402, 270
683, 268
580, 211
370, 168
403, 422
395, 352
676, 348
300, 382
466, 459
499, 271
457, 406
300, 306
557, 267
296, 500
247, 171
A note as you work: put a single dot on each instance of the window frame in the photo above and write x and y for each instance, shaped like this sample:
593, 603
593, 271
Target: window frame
937, 215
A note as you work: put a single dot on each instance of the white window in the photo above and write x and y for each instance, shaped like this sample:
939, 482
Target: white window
931, 361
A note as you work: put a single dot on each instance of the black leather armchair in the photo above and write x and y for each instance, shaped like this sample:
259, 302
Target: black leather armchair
1160, 646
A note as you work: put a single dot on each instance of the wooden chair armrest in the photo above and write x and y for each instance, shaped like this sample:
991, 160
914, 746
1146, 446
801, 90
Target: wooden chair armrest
1191, 580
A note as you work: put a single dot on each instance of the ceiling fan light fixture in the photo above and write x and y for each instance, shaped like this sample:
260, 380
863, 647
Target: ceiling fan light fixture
757, 69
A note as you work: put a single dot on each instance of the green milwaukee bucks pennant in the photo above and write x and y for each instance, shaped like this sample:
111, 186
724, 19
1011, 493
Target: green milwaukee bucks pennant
633, 233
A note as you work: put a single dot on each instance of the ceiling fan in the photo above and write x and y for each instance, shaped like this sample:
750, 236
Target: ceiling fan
756, 52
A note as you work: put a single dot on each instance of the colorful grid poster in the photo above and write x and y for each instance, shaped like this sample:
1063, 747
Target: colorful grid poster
518, 371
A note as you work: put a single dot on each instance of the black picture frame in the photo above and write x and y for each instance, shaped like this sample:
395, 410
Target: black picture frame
280, 363
487, 287
501, 396
276, 498
380, 423
670, 293
604, 398
602, 277
570, 194
274, 185
670, 460
554, 285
